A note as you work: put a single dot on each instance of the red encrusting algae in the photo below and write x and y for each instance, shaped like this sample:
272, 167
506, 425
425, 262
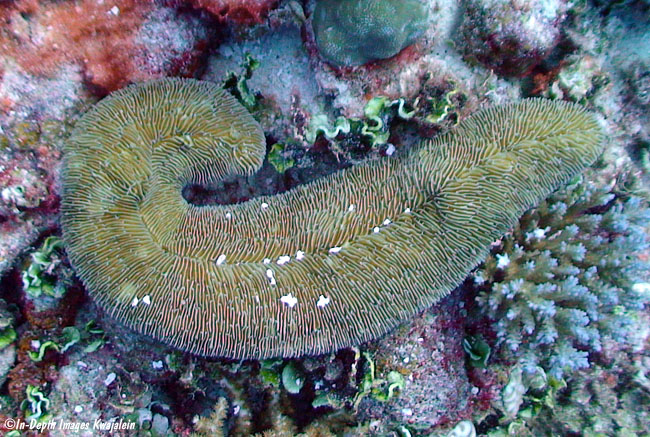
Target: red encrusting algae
102, 37
244, 12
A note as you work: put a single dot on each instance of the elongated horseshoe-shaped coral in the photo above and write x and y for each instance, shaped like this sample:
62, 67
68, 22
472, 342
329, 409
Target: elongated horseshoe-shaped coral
332, 263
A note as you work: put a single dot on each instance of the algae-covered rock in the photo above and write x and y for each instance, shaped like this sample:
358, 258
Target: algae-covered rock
350, 32
511, 37
7, 337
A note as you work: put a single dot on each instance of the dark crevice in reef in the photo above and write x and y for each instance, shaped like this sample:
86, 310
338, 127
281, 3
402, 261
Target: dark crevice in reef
266, 181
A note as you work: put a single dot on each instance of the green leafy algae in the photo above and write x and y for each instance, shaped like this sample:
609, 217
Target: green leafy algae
38, 277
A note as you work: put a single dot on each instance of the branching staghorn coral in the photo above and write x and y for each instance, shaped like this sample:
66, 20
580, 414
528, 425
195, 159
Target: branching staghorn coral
563, 281
335, 262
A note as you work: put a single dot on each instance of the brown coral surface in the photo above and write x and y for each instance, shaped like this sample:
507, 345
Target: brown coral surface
335, 262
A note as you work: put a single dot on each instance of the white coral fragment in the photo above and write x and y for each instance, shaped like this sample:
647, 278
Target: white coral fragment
323, 301
270, 275
289, 300
503, 261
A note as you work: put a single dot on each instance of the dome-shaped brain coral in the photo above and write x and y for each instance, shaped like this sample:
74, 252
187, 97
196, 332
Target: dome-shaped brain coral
335, 262
354, 32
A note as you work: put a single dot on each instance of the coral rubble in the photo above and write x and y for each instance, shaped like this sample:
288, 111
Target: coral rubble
29, 200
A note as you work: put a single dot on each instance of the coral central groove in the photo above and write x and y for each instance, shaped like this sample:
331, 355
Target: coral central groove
335, 262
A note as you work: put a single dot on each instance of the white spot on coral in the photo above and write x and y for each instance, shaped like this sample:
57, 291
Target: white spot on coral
115, 11
407, 211
6, 194
109, 379
322, 301
228, 215
283, 260
407, 411
335, 249
386, 222
300, 255
540, 233
35, 344
269, 274
157, 364
78, 409
146, 300
641, 287
221, 259
537, 233
266, 261
464, 428
390, 150
375, 229
352, 207
503, 261
134, 302
265, 205
289, 300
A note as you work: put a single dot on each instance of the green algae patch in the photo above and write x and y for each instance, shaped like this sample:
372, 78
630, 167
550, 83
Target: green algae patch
38, 278
333, 263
